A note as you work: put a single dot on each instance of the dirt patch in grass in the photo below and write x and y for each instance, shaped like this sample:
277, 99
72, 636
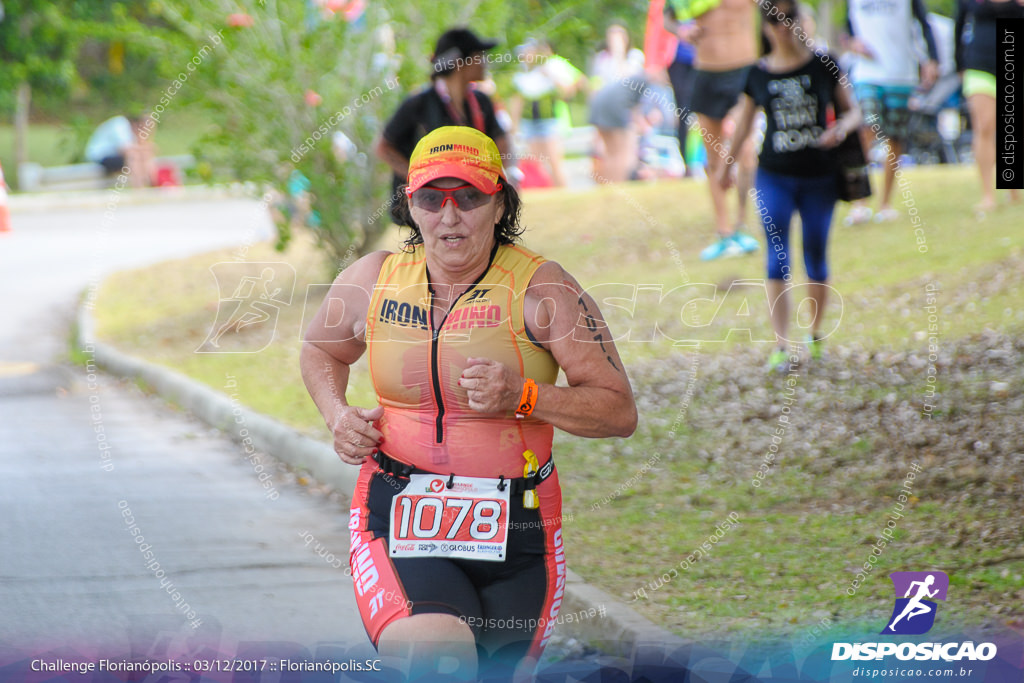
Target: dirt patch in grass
848, 431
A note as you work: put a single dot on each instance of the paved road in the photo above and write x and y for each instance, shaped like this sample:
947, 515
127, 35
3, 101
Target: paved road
233, 564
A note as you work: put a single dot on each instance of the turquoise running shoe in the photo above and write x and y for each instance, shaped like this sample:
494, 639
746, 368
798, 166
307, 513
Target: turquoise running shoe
745, 242
725, 246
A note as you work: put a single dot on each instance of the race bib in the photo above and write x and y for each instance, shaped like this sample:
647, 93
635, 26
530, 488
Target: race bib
468, 520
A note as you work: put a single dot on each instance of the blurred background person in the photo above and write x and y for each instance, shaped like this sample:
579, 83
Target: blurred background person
797, 170
681, 75
117, 143
885, 74
617, 77
617, 58
615, 113
976, 60
726, 46
293, 207
450, 100
539, 106
660, 107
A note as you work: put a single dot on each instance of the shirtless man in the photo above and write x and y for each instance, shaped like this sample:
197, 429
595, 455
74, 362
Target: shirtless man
726, 47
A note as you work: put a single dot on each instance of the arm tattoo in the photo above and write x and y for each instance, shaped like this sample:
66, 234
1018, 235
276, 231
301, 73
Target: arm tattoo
591, 322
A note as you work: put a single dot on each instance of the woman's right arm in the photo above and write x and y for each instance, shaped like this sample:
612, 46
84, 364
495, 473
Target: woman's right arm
958, 33
334, 340
390, 155
744, 124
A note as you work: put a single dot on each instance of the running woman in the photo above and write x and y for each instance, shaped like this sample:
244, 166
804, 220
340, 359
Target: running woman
457, 509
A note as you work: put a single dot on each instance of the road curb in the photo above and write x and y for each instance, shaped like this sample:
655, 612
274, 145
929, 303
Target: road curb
618, 631
221, 411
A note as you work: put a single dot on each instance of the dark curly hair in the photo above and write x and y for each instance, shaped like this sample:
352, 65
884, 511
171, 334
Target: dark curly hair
783, 9
506, 231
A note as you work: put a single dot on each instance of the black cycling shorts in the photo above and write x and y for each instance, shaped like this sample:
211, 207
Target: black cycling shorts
510, 605
716, 92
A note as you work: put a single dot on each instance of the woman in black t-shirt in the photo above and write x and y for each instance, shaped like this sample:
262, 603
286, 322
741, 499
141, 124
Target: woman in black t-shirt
797, 169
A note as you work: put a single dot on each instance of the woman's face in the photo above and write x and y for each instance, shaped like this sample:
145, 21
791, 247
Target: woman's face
475, 68
617, 40
457, 239
780, 34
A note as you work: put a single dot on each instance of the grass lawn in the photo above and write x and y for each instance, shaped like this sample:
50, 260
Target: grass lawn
641, 507
46, 145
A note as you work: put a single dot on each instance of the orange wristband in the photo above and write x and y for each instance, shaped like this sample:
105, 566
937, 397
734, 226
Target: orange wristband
528, 400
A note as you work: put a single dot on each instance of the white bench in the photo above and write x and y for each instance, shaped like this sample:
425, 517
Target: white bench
34, 177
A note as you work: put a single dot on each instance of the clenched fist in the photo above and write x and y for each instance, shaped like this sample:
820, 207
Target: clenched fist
355, 437
491, 386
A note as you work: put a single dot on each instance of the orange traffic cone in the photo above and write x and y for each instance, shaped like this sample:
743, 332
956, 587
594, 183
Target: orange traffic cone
5, 214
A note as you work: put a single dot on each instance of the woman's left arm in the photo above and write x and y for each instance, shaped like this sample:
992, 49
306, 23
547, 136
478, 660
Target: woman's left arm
845, 125
565, 320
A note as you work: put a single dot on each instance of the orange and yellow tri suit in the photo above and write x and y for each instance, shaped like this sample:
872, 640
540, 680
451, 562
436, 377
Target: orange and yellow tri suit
415, 370
510, 601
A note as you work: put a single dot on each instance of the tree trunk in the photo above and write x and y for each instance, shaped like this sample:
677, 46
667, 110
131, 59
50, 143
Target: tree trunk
23, 100
826, 28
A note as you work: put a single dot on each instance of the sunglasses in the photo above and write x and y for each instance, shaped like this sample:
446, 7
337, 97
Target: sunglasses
464, 197
779, 18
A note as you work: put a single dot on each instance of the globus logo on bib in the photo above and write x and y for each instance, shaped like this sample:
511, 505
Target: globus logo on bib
914, 613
